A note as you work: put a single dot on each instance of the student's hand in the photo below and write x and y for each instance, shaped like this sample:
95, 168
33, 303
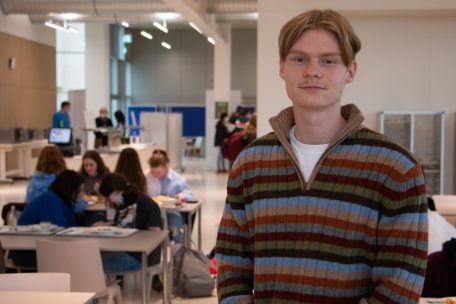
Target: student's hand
180, 197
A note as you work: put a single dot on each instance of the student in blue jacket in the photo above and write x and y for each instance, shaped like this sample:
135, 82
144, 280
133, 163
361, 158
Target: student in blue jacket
56, 205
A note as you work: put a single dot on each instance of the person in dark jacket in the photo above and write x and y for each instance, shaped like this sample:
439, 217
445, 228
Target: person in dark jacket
221, 132
440, 280
102, 121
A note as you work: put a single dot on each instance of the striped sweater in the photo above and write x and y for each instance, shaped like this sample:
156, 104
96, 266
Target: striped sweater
355, 232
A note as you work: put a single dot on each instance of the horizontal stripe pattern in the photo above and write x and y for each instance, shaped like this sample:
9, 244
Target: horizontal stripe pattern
360, 231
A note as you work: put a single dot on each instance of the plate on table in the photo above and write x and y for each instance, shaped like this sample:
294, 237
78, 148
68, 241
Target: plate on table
30, 229
165, 200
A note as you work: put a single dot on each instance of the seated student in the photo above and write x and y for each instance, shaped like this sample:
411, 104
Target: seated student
440, 280
132, 208
50, 163
93, 169
162, 180
56, 205
129, 166
439, 229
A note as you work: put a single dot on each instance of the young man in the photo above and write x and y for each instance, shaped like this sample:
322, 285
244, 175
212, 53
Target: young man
61, 119
322, 210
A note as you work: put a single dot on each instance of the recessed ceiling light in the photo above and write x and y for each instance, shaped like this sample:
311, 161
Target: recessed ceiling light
147, 35
195, 27
211, 40
166, 45
125, 24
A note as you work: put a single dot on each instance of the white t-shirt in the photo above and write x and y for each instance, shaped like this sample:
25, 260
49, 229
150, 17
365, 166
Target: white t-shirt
308, 155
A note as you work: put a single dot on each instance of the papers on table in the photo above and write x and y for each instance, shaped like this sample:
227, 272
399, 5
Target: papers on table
37, 229
165, 200
98, 231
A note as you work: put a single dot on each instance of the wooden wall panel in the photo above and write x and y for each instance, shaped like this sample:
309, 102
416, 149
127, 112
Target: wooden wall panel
28, 92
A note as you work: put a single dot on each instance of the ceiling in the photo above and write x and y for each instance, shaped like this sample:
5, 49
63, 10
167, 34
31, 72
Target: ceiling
239, 13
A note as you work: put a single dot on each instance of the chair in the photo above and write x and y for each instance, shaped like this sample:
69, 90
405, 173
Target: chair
82, 260
35, 282
153, 270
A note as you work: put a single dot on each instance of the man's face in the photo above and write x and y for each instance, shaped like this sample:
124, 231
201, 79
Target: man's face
66, 109
159, 172
313, 71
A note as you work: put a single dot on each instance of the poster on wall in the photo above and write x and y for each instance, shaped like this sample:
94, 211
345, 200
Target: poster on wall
220, 107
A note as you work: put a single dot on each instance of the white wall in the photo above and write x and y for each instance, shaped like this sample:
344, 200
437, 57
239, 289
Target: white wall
96, 69
20, 26
406, 61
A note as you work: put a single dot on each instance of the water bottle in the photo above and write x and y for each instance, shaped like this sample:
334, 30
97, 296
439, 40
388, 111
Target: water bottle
11, 219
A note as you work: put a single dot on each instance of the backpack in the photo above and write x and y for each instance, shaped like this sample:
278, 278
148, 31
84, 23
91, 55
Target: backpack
191, 276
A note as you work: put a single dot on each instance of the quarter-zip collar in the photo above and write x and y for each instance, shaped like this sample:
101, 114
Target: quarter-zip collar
282, 122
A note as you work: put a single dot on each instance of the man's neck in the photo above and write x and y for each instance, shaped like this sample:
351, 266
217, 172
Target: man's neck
317, 127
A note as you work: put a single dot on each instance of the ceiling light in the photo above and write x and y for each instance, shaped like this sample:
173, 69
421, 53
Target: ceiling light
64, 28
195, 27
125, 24
55, 26
146, 34
166, 45
211, 40
160, 26
167, 16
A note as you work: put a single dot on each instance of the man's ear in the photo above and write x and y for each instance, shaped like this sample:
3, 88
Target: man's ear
351, 72
281, 63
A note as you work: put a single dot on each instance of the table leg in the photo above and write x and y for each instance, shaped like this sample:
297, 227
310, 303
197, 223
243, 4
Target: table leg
167, 287
199, 229
190, 229
145, 296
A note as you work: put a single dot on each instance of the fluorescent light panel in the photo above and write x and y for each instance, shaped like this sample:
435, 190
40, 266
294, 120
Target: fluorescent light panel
147, 35
160, 26
125, 24
195, 27
211, 40
64, 28
166, 45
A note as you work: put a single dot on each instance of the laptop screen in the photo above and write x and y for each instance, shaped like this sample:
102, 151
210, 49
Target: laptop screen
60, 136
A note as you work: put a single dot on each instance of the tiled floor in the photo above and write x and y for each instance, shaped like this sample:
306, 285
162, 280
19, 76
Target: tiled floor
206, 186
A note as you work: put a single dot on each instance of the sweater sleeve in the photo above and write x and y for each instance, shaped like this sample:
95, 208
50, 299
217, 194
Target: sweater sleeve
233, 249
399, 268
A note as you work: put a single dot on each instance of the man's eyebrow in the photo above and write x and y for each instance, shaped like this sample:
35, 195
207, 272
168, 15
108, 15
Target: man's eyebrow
329, 54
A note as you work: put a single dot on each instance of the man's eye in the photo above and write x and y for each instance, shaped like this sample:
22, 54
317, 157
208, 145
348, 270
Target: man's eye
299, 59
329, 61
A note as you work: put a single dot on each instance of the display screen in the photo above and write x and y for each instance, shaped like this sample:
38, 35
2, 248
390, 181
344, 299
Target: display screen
60, 136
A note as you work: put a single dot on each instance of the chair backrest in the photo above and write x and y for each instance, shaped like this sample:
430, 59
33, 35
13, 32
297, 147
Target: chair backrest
35, 282
80, 258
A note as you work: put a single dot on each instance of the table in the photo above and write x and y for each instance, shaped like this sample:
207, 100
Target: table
144, 241
26, 297
435, 300
25, 161
188, 208
446, 206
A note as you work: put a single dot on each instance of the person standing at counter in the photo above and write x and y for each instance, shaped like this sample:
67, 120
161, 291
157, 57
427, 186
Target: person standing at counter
61, 119
102, 121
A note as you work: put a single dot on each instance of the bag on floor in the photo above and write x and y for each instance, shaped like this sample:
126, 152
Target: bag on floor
191, 276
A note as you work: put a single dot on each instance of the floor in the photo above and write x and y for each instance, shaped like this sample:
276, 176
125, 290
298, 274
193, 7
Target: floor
207, 186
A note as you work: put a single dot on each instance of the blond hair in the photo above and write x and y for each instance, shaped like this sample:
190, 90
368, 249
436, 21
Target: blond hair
328, 20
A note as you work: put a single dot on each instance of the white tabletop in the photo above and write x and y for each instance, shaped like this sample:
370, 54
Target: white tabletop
437, 300
26, 297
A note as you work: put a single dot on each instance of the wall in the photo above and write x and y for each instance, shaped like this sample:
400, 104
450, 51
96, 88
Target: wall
183, 74
27, 92
406, 62
244, 64
20, 26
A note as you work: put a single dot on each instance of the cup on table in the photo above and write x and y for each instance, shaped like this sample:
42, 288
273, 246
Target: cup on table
45, 227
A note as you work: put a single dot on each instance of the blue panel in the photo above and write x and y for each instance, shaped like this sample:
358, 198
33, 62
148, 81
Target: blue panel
194, 120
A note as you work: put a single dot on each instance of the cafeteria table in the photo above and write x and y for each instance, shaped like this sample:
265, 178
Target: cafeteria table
143, 241
26, 297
